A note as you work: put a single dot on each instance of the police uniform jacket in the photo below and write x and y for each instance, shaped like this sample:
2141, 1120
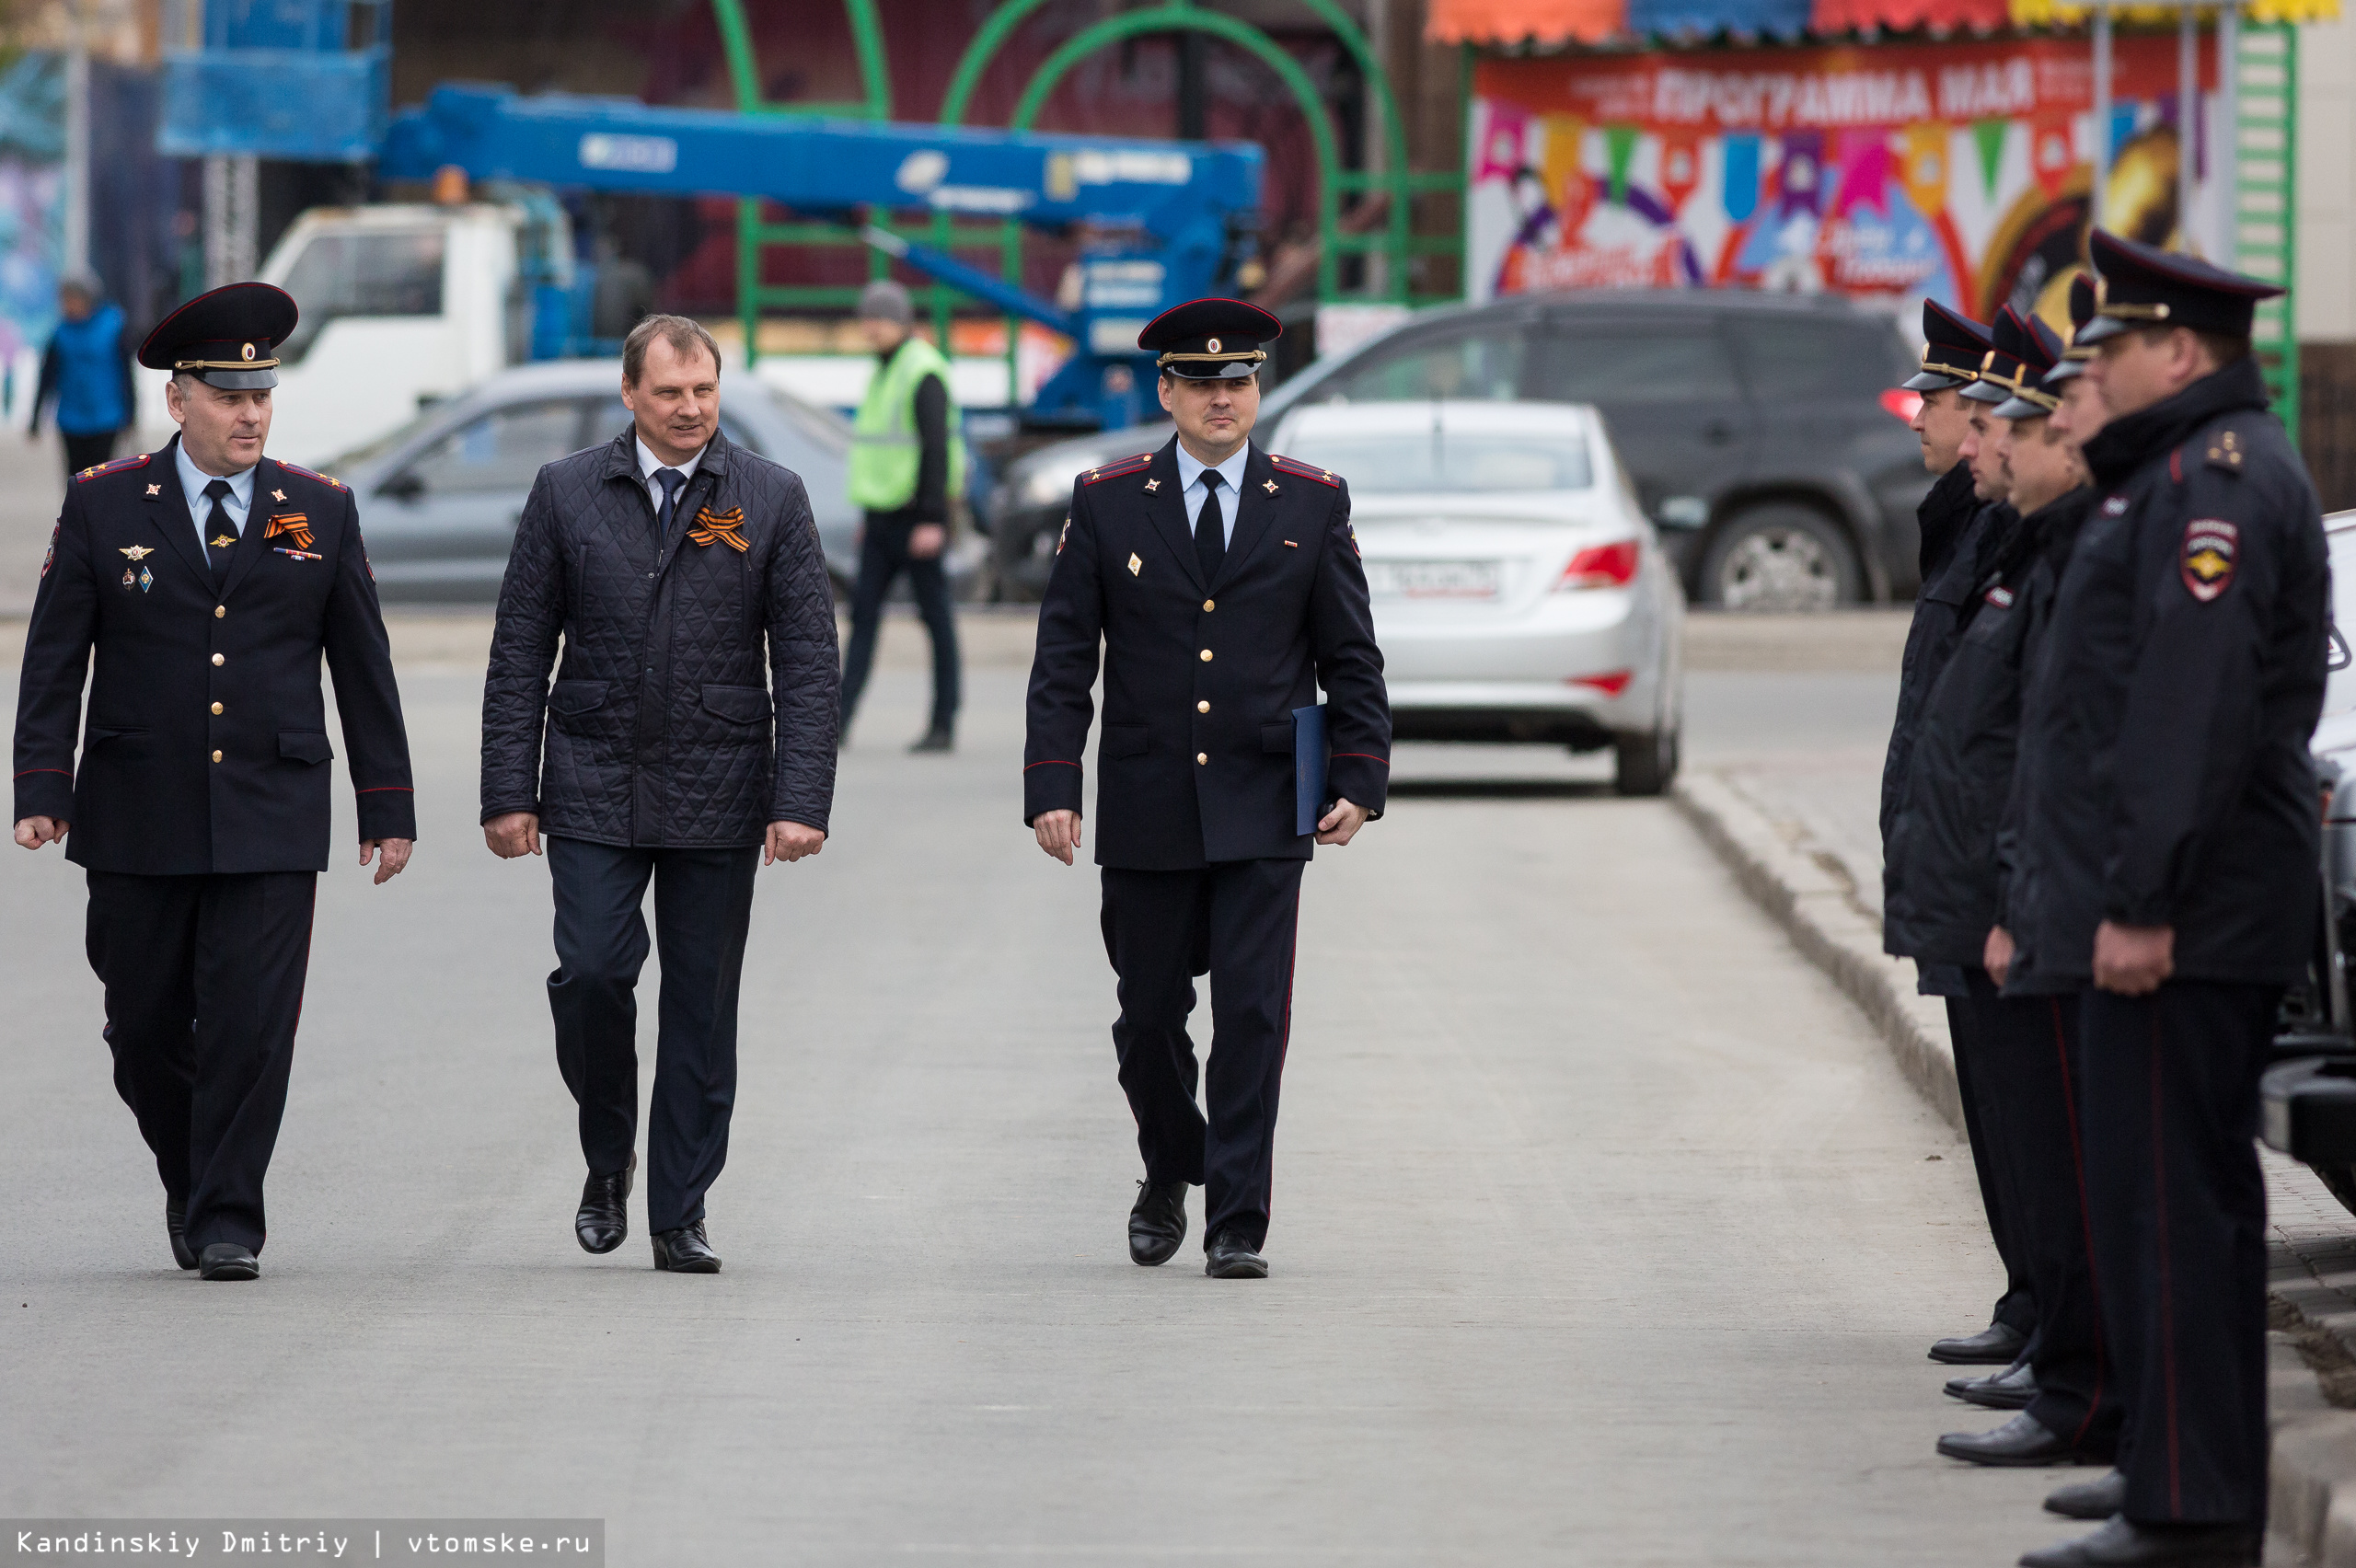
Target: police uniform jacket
1956, 526
2165, 777
1943, 883
1201, 679
696, 701
206, 747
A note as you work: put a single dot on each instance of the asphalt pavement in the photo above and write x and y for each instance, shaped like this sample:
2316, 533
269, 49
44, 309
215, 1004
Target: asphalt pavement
1605, 1231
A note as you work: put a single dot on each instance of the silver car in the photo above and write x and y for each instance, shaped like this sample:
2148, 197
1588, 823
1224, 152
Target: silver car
1519, 591
440, 497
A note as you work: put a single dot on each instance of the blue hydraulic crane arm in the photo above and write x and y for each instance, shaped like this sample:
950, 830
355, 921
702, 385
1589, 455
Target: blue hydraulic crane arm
821, 166
982, 285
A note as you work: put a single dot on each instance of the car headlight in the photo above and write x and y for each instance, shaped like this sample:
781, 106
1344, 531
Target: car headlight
1044, 485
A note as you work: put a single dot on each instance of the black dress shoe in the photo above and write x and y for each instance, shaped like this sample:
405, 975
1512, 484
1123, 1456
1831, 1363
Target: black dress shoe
934, 741
2120, 1543
1228, 1256
226, 1260
2020, 1441
604, 1219
685, 1251
1157, 1222
176, 1227
2090, 1499
2011, 1388
1998, 1344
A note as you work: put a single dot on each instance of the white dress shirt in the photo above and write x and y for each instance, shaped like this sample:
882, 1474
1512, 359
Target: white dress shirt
237, 503
647, 463
1192, 489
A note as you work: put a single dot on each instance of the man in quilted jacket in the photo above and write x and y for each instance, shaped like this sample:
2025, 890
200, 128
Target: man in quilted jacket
689, 740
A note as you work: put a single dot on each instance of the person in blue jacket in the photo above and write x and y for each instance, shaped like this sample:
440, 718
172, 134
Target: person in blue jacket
86, 367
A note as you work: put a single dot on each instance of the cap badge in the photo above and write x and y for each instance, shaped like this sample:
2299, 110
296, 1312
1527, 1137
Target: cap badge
2207, 561
1212, 345
245, 351
1135, 564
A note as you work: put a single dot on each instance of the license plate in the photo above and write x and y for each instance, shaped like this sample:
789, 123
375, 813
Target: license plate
1432, 579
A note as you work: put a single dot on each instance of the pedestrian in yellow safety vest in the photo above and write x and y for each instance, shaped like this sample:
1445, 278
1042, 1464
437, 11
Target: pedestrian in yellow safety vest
907, 460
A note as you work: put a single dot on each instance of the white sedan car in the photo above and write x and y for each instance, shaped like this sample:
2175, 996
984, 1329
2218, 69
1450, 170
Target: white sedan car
1519, 591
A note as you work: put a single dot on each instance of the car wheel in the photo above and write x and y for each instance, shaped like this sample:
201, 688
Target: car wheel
1643, 764
1779, 557
2340, 1181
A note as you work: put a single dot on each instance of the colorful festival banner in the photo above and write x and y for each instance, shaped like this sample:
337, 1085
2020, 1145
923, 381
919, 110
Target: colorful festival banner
1959, 172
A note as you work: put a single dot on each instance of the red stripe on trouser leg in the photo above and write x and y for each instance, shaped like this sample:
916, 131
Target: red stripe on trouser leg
1284, 1049
2167, 1283
2086, 1220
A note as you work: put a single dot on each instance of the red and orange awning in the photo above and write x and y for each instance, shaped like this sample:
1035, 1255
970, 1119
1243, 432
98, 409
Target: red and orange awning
1553, 24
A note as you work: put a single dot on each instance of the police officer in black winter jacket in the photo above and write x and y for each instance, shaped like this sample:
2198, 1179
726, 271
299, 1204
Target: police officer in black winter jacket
2166, 867
1956, 518
1945, 855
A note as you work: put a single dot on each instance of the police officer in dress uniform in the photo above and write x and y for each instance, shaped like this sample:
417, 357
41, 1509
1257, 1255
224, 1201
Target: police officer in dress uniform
2166, 869
1224, 586
1953, 520
210, 580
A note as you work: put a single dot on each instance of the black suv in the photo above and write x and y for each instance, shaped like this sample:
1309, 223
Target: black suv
1761, 430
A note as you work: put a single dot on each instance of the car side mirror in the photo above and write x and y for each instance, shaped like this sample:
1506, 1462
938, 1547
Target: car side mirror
1681, 512
403, 486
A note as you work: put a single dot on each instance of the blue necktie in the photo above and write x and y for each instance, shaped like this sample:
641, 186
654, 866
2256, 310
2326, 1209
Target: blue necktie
670, 480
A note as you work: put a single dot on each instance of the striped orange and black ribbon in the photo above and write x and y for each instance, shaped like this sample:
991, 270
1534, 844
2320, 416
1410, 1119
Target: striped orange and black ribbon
296, 523
720, 527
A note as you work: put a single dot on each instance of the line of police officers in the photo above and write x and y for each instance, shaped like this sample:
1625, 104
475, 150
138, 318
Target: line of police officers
2100, 839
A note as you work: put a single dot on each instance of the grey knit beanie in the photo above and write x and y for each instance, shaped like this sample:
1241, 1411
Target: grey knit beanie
884, 300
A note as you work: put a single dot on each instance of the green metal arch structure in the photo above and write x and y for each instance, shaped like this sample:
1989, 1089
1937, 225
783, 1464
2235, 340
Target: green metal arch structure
873, 103
1396, 239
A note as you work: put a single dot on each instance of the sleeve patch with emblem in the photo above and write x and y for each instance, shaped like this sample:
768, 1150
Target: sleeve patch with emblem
2206, 562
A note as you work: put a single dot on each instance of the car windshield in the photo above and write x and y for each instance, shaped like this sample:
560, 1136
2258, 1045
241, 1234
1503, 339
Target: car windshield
1448, 461
368, 452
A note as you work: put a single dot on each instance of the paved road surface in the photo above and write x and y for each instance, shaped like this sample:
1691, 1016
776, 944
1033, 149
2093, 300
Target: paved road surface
1605, 1232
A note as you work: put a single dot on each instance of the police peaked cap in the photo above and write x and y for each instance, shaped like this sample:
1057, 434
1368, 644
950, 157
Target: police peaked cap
225, 336
2141, 286
2073, 362
2025, 348
1953, 347
2037, 348
1211, 340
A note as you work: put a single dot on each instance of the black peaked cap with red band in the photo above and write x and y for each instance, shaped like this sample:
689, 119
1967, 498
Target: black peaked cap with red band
2035, 347
2141, 286
1952, 346
1211, 340
226, 336
2075, 354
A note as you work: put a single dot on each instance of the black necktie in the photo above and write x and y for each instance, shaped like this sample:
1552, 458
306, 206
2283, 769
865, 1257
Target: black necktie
220, 534
1210, 530
670, 480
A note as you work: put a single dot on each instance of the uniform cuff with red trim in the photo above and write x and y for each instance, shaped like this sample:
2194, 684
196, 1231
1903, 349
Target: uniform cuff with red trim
1360, 778
46, 791
387, 812
1050, 786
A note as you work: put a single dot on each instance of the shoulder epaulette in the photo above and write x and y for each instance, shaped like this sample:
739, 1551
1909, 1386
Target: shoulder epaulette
1304, 471
308, 474
116, 466
2225, 451
1116, 469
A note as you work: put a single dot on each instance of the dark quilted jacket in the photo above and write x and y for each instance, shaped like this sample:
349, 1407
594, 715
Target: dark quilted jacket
669, 724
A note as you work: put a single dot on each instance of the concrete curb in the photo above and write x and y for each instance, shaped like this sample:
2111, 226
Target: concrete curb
1811, 897
2312, 1479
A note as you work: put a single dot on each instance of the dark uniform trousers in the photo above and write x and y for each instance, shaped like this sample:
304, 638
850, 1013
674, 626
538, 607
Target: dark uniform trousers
2026, 1049
1236, 920
2178, 1209
203, 978
703, 905
1967, 1026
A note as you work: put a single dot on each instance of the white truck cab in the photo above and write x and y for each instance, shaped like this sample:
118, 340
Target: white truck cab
402, 305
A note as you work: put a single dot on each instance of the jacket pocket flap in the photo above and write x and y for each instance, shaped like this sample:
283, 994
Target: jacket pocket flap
576, 696
1277, 738
305, 745
1126, 740
98, 732
742, 705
